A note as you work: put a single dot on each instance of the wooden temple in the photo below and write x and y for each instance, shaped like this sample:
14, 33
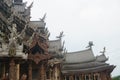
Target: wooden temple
26, 53
83, 65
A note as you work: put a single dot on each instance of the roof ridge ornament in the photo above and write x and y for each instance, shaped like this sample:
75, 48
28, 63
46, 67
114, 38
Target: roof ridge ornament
43, 18
104, 50
90, 44
60, 36
30, 6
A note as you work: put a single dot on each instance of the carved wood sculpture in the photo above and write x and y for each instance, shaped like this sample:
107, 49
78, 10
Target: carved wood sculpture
38, 50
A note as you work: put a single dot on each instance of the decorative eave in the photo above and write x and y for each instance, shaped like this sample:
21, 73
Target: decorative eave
43, 45
83, 65
39, 57
107, 68
5, 55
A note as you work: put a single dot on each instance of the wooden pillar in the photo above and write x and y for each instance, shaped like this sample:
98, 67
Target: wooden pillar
17, 72
79, 76
71, 77
50, 74
75, 77
82, 77
108, 76
12, 74
85, 76
65, 77
42, 73
99, 76
94, 76
89, 77
103, 76
3, 71
30, 72
57, 72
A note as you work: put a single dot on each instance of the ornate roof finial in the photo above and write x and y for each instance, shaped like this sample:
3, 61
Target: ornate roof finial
90, 44
43, 18
30, 6
104, 50
60, 36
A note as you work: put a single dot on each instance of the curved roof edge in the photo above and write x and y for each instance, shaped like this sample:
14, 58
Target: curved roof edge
101, 58
80, 56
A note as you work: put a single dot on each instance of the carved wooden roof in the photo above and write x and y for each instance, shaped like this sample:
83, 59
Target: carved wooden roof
85, 62
38, 42
39, 57
38, 49
80, 56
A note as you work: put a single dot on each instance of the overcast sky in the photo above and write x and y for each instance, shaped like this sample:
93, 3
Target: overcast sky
83, 21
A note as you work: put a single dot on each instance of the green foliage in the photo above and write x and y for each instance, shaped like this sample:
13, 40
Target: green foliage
116, 78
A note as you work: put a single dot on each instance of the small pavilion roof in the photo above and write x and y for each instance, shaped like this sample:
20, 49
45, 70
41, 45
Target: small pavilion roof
35, 24
101, 58
54, 45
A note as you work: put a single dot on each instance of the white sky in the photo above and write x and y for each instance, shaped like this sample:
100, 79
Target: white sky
83, 21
